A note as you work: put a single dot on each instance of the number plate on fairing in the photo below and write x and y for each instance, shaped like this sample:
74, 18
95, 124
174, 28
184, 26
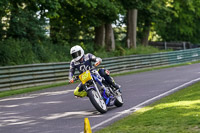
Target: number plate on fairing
85, 77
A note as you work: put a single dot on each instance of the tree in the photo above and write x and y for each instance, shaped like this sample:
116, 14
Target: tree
184, 22
4, 12
27, 19
76, 18
132, 28
107, 13
132, 7
151, 13
100, 35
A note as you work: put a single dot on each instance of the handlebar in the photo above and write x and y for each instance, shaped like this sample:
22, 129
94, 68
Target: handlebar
76, 77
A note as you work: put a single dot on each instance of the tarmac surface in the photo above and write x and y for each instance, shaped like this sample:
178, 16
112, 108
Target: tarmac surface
56, 110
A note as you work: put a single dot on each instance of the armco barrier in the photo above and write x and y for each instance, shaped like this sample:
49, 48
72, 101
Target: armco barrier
172, 45
22, 76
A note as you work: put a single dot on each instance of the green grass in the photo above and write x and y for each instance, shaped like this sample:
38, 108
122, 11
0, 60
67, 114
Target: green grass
177, 113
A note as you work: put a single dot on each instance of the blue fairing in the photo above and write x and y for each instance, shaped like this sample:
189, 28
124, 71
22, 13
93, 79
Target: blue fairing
98, 79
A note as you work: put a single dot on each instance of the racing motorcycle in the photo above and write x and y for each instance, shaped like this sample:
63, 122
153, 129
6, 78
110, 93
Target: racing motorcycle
101, 95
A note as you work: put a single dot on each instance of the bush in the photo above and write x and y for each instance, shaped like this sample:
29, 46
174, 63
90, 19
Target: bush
15, 52
42, 53
46, 51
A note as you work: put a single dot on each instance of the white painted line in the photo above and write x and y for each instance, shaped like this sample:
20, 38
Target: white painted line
139, 106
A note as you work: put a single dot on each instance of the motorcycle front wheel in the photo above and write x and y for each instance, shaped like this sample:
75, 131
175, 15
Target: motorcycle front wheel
97, 101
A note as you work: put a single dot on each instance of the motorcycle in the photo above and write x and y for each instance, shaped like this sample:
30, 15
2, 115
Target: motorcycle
101, 95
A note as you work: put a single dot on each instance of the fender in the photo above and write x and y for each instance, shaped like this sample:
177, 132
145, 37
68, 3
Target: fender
89, 88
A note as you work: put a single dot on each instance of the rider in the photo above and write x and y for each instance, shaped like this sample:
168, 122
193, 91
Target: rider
83, 62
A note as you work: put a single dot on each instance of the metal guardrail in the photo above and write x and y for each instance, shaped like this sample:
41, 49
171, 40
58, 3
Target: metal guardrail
23, 76
172, 45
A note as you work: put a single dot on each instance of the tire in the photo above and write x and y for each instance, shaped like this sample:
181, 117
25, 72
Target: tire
119, 100
98, 103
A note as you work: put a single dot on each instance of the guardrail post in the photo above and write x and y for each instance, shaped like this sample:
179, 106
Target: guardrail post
165, 45
184, 46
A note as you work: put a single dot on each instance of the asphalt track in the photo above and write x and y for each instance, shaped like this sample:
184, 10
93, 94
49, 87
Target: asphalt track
56, 110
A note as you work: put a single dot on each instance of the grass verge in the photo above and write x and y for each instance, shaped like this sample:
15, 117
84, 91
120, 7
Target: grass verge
31, 89
177, 113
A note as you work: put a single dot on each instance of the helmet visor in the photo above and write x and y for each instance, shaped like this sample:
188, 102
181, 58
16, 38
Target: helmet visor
76, 54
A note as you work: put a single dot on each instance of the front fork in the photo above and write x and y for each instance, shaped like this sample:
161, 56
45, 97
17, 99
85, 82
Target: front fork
97, 90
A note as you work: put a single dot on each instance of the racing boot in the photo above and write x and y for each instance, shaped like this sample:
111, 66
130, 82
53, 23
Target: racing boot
108, 79
111, 81
115, 85
79, 92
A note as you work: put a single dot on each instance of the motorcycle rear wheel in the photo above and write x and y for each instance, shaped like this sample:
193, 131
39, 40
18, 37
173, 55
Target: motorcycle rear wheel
119, 100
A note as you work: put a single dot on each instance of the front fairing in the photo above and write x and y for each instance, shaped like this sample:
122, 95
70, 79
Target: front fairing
97, 78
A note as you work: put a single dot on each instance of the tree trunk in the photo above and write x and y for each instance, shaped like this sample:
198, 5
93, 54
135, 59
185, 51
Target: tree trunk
145, 34
132, 28
100, 35
145, 37
109, 38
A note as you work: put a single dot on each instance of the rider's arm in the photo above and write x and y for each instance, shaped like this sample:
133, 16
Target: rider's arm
71, 72
95, 59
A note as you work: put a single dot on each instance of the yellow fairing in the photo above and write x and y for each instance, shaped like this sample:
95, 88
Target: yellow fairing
84, 77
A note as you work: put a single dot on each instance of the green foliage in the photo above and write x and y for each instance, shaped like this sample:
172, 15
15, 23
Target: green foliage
122, 51
48, 52
25, 24
17, 52
72, 22
53, 6
13, 52
149, 13
184, 22
133, 4
3, 14
77, 17
26, 19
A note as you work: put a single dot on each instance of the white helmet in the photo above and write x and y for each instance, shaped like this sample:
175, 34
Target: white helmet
77, 52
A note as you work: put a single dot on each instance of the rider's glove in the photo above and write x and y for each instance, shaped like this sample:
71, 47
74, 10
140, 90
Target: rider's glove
71, 81
97, 63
